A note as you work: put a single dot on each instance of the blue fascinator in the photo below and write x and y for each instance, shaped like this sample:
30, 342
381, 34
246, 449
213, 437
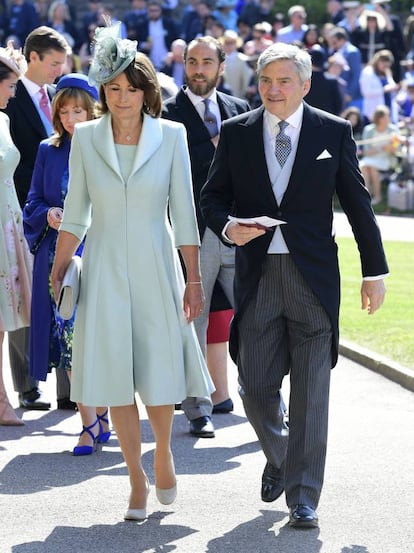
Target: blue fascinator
112, 54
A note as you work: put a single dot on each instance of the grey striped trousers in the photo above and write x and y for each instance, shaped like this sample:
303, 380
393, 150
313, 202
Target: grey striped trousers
286, 330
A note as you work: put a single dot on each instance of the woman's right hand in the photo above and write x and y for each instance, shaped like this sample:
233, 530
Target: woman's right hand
54, 217
56, 278
66, 246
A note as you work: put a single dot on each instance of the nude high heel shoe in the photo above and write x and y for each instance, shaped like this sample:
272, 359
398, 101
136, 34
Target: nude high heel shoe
138, 514
8, 416
166, 496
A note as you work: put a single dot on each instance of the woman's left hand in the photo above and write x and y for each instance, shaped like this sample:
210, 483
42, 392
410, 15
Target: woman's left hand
193, 302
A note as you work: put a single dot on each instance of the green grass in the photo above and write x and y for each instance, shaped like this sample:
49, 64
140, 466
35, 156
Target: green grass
390, 331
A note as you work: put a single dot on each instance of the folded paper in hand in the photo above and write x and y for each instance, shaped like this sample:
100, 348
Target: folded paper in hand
69, 293
262, 221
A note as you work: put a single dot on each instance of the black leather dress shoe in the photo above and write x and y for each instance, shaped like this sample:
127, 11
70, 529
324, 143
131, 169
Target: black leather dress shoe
31, 400
202, 427
302, 516
273, 482
66, 403
225, 406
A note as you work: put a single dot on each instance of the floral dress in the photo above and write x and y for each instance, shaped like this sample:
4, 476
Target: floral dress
15, 258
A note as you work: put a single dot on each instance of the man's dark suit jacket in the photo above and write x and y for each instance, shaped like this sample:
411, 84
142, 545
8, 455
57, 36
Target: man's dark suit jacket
238, 183
27, 132
181, 109
324, 93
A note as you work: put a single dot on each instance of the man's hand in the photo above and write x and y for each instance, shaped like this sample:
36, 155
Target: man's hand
372, 295
241, 234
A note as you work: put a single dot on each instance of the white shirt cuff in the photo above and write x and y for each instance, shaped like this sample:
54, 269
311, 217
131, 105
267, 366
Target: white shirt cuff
224, 235
379, 277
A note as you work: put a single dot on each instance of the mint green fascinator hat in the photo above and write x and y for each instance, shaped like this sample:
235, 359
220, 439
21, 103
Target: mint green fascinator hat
112, 54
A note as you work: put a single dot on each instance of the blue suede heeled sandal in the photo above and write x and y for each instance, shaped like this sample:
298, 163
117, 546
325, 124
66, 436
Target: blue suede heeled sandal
103, 437
86, 449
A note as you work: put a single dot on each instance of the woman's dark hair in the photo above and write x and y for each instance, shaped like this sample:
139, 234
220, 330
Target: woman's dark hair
140, 74
82, 99
5, 72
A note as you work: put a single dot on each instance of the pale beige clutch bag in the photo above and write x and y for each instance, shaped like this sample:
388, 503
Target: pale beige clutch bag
69, 293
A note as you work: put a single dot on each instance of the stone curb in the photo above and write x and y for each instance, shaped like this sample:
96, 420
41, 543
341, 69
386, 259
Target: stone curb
378, 363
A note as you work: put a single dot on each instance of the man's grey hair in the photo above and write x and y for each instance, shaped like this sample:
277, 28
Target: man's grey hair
281, 52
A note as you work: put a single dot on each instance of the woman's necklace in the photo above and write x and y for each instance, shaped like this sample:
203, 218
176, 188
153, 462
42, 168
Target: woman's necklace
128, 136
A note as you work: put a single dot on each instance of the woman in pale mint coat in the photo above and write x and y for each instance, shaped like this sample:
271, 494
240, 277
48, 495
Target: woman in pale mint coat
129, 176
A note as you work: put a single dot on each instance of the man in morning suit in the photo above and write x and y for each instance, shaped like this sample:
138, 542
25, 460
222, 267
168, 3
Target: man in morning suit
204, 63
286, 160
45, 51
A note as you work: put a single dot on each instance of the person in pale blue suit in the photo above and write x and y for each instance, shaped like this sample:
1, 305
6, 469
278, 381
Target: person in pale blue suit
130, 189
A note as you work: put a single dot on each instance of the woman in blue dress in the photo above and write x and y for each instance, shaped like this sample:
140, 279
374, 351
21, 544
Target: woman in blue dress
50, 335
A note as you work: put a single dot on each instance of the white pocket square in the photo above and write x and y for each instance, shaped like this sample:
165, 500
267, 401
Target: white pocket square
324, 155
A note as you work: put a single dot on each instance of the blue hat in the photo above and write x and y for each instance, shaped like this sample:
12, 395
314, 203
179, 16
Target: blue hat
77, 80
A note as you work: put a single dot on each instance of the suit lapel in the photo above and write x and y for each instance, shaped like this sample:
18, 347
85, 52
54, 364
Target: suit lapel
103, 142
191, 119
304, 154
150, 141
27, 106
227, 106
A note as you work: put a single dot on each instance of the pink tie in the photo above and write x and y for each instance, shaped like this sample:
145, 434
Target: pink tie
44, 104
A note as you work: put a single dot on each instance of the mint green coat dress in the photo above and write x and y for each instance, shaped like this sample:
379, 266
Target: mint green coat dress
130, 332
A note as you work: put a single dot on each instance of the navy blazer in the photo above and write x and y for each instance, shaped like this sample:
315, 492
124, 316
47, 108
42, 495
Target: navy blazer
27, 131
181, 109
238, 183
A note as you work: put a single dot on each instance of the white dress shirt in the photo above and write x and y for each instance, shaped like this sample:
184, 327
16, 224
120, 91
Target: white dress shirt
197, 102
33, 90
279, 176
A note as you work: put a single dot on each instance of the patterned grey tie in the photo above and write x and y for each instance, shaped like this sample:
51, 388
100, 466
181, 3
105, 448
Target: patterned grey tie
210, 120
283, 144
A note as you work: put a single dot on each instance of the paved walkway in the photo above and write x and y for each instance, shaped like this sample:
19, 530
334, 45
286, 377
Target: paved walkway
399, 229
52, 502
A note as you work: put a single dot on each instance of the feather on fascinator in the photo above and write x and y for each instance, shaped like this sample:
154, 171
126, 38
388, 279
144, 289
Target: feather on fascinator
13, 59
112, 54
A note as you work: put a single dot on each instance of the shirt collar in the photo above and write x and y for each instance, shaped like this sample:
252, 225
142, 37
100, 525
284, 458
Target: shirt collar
271, 121
31, 87
195, 100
